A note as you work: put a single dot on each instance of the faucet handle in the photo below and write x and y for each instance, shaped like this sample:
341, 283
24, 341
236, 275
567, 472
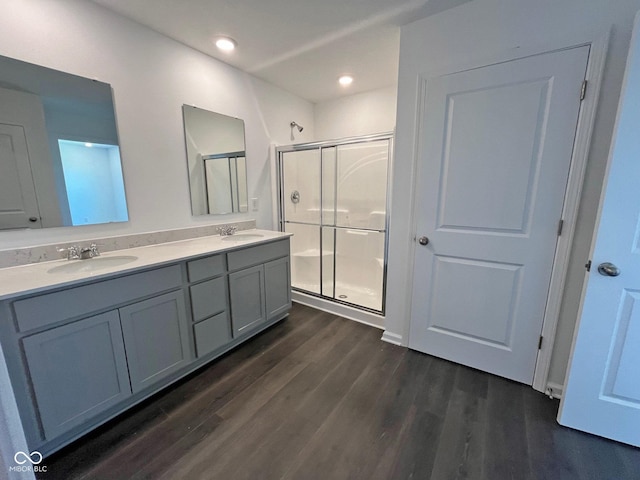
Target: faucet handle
72, 252
227, 230
94, 249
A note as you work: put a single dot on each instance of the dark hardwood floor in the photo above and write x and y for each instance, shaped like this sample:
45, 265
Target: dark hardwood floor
320, 397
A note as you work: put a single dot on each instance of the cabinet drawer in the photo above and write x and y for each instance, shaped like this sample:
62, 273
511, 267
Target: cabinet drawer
212, 333
208, 298
259, 254
206, 268
54, 307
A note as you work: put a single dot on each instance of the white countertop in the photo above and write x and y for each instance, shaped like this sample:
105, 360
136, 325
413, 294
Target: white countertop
36, 277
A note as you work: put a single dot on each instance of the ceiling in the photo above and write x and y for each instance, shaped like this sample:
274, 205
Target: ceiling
302, 46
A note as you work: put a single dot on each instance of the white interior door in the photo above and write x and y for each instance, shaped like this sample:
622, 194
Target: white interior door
602, 394
18, 203
496, 145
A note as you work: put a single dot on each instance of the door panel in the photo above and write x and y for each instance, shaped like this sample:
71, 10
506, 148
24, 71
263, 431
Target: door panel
156, 338
448, 314
621, 380
77, 371
247, 299
602, 394
277, 279
496, 145
18, 200
472, 160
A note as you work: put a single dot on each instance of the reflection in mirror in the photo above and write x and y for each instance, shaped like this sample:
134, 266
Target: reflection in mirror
59, 155
216, 162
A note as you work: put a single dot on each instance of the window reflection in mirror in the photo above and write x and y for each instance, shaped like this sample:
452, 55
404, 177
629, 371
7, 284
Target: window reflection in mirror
216, 162
48, 175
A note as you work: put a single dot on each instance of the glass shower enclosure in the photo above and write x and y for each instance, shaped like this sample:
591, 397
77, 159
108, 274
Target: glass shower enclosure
333, 198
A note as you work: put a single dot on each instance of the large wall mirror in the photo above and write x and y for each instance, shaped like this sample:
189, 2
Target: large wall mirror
59, 155
216, 162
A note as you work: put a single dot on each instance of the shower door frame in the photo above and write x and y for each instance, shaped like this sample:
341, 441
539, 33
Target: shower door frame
235, 199
319, 146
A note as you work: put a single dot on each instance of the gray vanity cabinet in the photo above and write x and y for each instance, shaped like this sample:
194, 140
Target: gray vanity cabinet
247, 295
78, 356
77, 371
156, 340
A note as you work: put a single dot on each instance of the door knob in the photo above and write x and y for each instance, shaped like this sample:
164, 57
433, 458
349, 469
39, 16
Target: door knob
423, 240
608, 269
33, 219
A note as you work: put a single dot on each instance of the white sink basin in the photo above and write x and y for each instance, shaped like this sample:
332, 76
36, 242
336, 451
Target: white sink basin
92, 264
242, 237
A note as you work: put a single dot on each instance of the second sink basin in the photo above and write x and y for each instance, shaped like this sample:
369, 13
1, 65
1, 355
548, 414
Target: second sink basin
93, 264
242, 237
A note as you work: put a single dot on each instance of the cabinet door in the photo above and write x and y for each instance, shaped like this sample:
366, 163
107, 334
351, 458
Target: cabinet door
246, 291
277, 279
77, 371
155, 338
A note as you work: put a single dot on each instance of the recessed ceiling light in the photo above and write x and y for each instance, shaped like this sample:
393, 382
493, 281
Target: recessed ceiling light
345, 80
225, 43
88, 145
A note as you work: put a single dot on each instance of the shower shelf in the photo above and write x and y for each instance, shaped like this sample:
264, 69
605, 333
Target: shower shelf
328, 210
312, 252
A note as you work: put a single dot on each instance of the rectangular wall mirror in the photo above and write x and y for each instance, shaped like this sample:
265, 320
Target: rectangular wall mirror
59, 154
216, 162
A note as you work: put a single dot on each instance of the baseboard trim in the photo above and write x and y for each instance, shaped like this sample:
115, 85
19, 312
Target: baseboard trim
554, 390
392, 338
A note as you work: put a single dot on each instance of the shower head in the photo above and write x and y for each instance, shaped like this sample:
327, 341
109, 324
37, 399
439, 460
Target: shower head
296, 125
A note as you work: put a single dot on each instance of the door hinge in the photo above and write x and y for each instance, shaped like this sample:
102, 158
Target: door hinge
560, 225
583, 90
588, 266
540, 342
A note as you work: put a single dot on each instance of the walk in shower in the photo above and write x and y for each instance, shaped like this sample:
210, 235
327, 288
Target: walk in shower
333, 198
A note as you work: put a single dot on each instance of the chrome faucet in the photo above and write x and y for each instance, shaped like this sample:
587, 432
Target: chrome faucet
75, 252
72, 252
227, 230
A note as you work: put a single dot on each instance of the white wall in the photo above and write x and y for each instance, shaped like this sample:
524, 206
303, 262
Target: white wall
465, 35
354, 115
152, 77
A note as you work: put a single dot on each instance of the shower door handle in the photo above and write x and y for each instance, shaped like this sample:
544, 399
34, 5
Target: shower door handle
423, 240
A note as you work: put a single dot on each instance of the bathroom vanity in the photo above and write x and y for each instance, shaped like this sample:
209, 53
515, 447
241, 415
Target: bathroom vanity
85, 341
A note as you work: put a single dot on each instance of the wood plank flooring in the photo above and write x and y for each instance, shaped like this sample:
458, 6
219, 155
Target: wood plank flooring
321, 397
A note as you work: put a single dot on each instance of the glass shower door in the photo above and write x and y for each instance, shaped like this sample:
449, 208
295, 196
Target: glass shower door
300, 193
360, 223
334, 202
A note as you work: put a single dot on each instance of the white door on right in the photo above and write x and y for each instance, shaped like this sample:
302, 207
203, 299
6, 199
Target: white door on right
602, 394
495, 149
